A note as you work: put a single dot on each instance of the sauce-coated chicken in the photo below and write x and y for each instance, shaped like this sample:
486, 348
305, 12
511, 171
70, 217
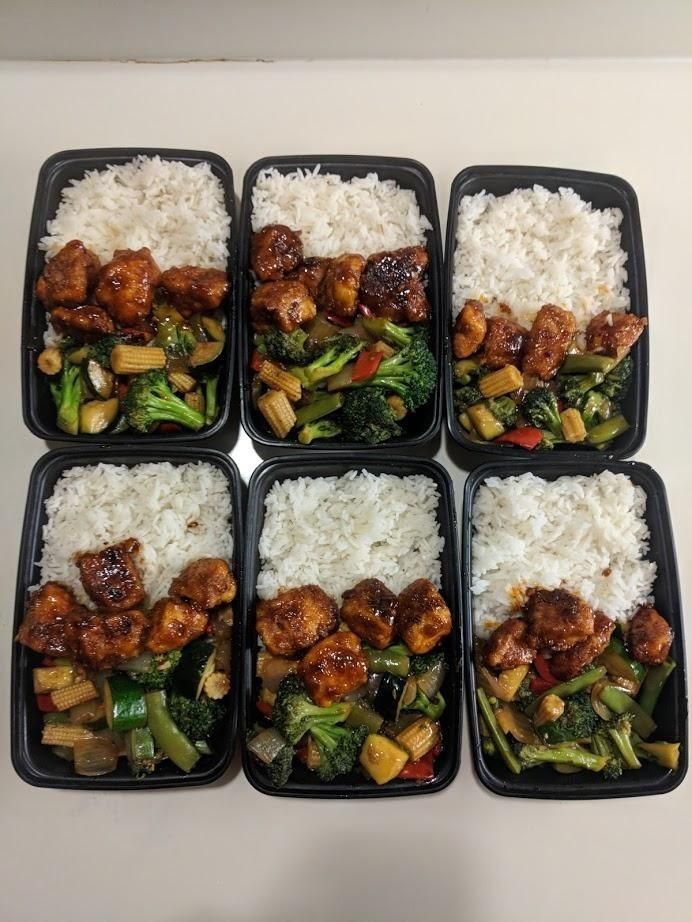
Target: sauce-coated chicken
111, 577
274, 251
105, 639
550, 337
86, 322
174, 623
286, 305
509, 645
423, 618
126, 286
207, 582
49, 620
193, 290
392, 285
338, 293
68, 277
614, 333
334, 667
310, 273
569, 663
470, 328
504, 343
295, 619
649, 637
557, 619
370, 610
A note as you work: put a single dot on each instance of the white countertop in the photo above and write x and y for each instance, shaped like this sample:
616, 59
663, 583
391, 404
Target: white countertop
226, 852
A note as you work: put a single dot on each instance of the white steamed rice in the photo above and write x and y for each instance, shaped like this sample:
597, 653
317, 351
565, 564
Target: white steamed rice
177, 513
335, 216
534, 247
335, 531
176, 210
587, 534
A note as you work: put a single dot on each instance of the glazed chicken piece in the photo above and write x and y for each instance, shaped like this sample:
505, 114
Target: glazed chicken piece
338, 293
569, 663
193, 290
51, 614
423, 618
370, 610
504, 343
86, 322
126, 286
105, 639
111, 578
509, 645
310, 273
173, 624
392, 285
286, 305
295, 619
334, 667
557, 619
470, 328
550, 337
207, 582
649, 637
68, 277
274, 251
614, 333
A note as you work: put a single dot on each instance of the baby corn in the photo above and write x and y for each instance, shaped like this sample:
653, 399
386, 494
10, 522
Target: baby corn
501, 382
280, 380
278, 412
179, 381
573, 427
132, 360
64, 734
65, 698
419, 738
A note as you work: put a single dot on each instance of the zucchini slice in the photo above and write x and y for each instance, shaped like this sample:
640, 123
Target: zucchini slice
124, 702
140, 750
195, 666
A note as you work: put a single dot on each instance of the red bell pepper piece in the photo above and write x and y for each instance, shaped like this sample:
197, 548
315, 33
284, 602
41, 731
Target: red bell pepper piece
45, 704
256, 360
170, 427
339, 321
424, 768
525, 437
366, 365
539, 685
264, 708
365, 310
543, 669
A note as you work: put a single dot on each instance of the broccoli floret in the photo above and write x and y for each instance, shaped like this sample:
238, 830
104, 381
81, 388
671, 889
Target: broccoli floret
67, 395
617, 381
197, 719
575, 388
411, 373
524, 696
367, 417
381, 328
423, 662
620, 732
505, 410
578, 721
597, 408
294, 714
339, 748
336, 352
150, 400
432, 708
548, 442
159, 673
101, 350
466, 397
540, 407
530, 756
320, 429
280, 767
602, 745
287, 348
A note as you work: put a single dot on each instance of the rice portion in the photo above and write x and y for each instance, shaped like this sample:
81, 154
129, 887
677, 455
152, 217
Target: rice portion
587, 534
335, 216
335, 531
176, 210
178, 513
534, 247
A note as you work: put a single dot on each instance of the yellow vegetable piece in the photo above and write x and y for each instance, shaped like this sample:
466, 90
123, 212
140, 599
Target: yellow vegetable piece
50, 361
419, 737
278, 412
66, 698
51, 678
381, 758
500, 382
96, 415
573, 427
506, 685
132, 360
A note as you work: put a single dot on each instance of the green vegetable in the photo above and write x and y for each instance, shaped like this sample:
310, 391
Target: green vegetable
466, 371
380, 328
505, 410
339, 748
603, 745
160, 671
387, 660
286, 348
423, 662
273, 751
578, 364
530, 756
618, 380
578, 721
653, 684
197, 718
667, 755
211, 404
431, 708
367, 417
150, 400
572, 687
466, 396
411, 373
196, 664
618, 662
605, 432
124, 703
294, 714
620, 732
167, 735
500, 741
140, 750
620, 702
390, 696
67, 395
575, 388
596, 409
337, 351
320, 429
362, 715
316, 409
540, 408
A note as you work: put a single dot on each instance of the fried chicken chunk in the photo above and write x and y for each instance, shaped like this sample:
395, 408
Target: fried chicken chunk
470, 328
193, 290
392, 285
48, 625
295, 619
310, 273
504, 343
173, 624
334, 667
338, 292
105, 639
286, 305
111, 577
86, 322
423, 618
509, 645
550, 338
207, 582
274, 251
126, 286
569, 663
557, 619
68, 277
649, 637
370, 610
614, 332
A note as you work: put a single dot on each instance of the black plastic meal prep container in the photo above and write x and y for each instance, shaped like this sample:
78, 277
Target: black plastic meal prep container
34, 762
304, 783
602, 191
56, 173
420, 427
671, 711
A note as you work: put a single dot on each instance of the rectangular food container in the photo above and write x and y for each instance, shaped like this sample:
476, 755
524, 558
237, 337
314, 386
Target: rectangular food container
603, 191
302, 782
34, 762
544, 782
422, 425
56, 173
